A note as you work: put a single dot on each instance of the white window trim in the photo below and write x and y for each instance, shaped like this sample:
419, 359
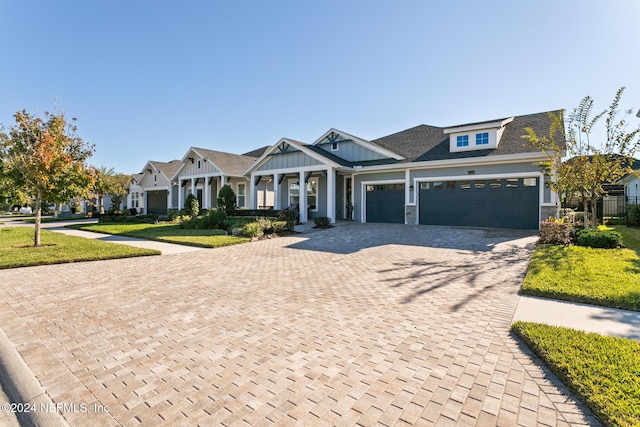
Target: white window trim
238, 195
334, 146
299, 186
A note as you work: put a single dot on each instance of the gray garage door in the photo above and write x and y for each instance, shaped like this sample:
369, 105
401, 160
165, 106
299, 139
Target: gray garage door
385, 203
157, 202
500, 203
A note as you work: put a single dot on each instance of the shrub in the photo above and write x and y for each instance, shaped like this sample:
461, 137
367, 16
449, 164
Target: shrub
594, 238
289, 217
227, 199
190, 222
634, 215
191, 206
555, 233
215, 218
252, 230
133, 211
322, 222
278, 226
174, 214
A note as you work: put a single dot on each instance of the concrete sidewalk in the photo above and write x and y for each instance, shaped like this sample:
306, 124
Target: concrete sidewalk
586, 317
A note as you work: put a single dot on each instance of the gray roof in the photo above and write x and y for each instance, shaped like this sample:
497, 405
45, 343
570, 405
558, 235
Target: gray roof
428, 143
230, 164
168, 169
257, 152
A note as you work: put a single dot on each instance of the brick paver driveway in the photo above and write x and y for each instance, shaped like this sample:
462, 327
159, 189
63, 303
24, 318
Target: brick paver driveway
360, 324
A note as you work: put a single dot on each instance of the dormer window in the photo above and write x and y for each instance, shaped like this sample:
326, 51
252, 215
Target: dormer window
482, 138
462, 141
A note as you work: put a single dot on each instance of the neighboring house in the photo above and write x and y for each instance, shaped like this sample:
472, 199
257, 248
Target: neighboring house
204, 172
159, 191
477, 174
631, 184
135, 197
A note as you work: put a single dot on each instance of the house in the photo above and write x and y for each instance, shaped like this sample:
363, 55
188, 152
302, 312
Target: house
631, 184
475, 174
204, 172
159, 191
134, 197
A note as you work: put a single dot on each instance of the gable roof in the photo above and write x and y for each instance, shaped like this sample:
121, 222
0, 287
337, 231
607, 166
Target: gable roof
168, 169
362, 142
310, 150
257, 152
428, 143
230, 164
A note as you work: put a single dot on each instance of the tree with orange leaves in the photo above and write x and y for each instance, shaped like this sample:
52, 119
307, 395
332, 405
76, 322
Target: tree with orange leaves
46, 159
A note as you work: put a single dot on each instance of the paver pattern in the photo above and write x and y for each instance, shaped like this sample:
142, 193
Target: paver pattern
360, 324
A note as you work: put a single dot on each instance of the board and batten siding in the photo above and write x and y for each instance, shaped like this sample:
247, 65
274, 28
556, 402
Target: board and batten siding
147, 181
352, 152
192, 169
288, 160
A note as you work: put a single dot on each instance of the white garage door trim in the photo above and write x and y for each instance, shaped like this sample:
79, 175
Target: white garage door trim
363, 193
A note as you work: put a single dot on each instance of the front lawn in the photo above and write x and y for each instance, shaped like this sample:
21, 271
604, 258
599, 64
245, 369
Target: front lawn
603, 372
170, 233
607, 277
16, 248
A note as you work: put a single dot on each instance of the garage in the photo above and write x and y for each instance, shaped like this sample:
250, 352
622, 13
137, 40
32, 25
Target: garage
385, 203
496, 203
157, 202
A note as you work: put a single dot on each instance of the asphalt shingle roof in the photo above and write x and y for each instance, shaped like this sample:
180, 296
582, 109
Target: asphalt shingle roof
168, 169
230, 164
428, 143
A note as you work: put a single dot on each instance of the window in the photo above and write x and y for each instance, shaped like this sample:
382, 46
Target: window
479, 184
495, 183
154, 178
334, 146
437, 185
465, 185
512, 182
312, 194
451, 184
482, 138
241, 196
529, 182
294, 193
462, 141
424, 185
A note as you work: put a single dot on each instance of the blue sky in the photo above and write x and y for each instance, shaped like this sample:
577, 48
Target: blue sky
148, 79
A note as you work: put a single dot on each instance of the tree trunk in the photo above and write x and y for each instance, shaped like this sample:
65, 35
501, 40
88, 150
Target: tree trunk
594, 211
36, 234
585, 211
101, 204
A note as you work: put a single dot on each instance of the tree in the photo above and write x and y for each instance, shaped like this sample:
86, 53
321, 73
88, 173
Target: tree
590, 165
191, 205
46, 159
227, 199
120, 189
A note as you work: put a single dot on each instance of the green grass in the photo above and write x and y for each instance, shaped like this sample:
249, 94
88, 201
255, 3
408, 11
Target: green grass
16, 248
603, 372
169, 233
607, 277
630, 237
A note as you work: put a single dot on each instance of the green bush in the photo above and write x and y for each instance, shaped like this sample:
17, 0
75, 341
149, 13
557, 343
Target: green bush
191, 205
322, 222
634, 215
595, 238
190, 223
555, 233
252, 230
139, 219
278, 226
227, 199
215, 218
289, 217
173, 214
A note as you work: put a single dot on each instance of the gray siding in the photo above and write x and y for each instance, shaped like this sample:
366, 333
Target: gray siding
288, 160
352, 152
191, 169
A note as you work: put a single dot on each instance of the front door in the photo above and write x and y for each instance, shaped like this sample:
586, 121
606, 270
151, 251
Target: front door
348, 211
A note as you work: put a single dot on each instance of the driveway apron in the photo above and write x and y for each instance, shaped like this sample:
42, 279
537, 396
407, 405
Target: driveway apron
359, 324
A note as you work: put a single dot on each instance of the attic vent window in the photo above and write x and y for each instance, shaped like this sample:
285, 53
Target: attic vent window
462, 141
334, 146
199, 164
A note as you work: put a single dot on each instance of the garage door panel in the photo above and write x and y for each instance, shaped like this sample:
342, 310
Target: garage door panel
385, 203
505, 203
157, 202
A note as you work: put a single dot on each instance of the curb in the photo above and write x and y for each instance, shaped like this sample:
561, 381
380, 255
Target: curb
21, 386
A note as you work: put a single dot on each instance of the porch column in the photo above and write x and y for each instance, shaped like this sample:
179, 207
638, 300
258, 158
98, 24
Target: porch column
331, 195
252, 192
205, 201
302, 198
193, 187
276, 192
223, 182
169, 198
180, 195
